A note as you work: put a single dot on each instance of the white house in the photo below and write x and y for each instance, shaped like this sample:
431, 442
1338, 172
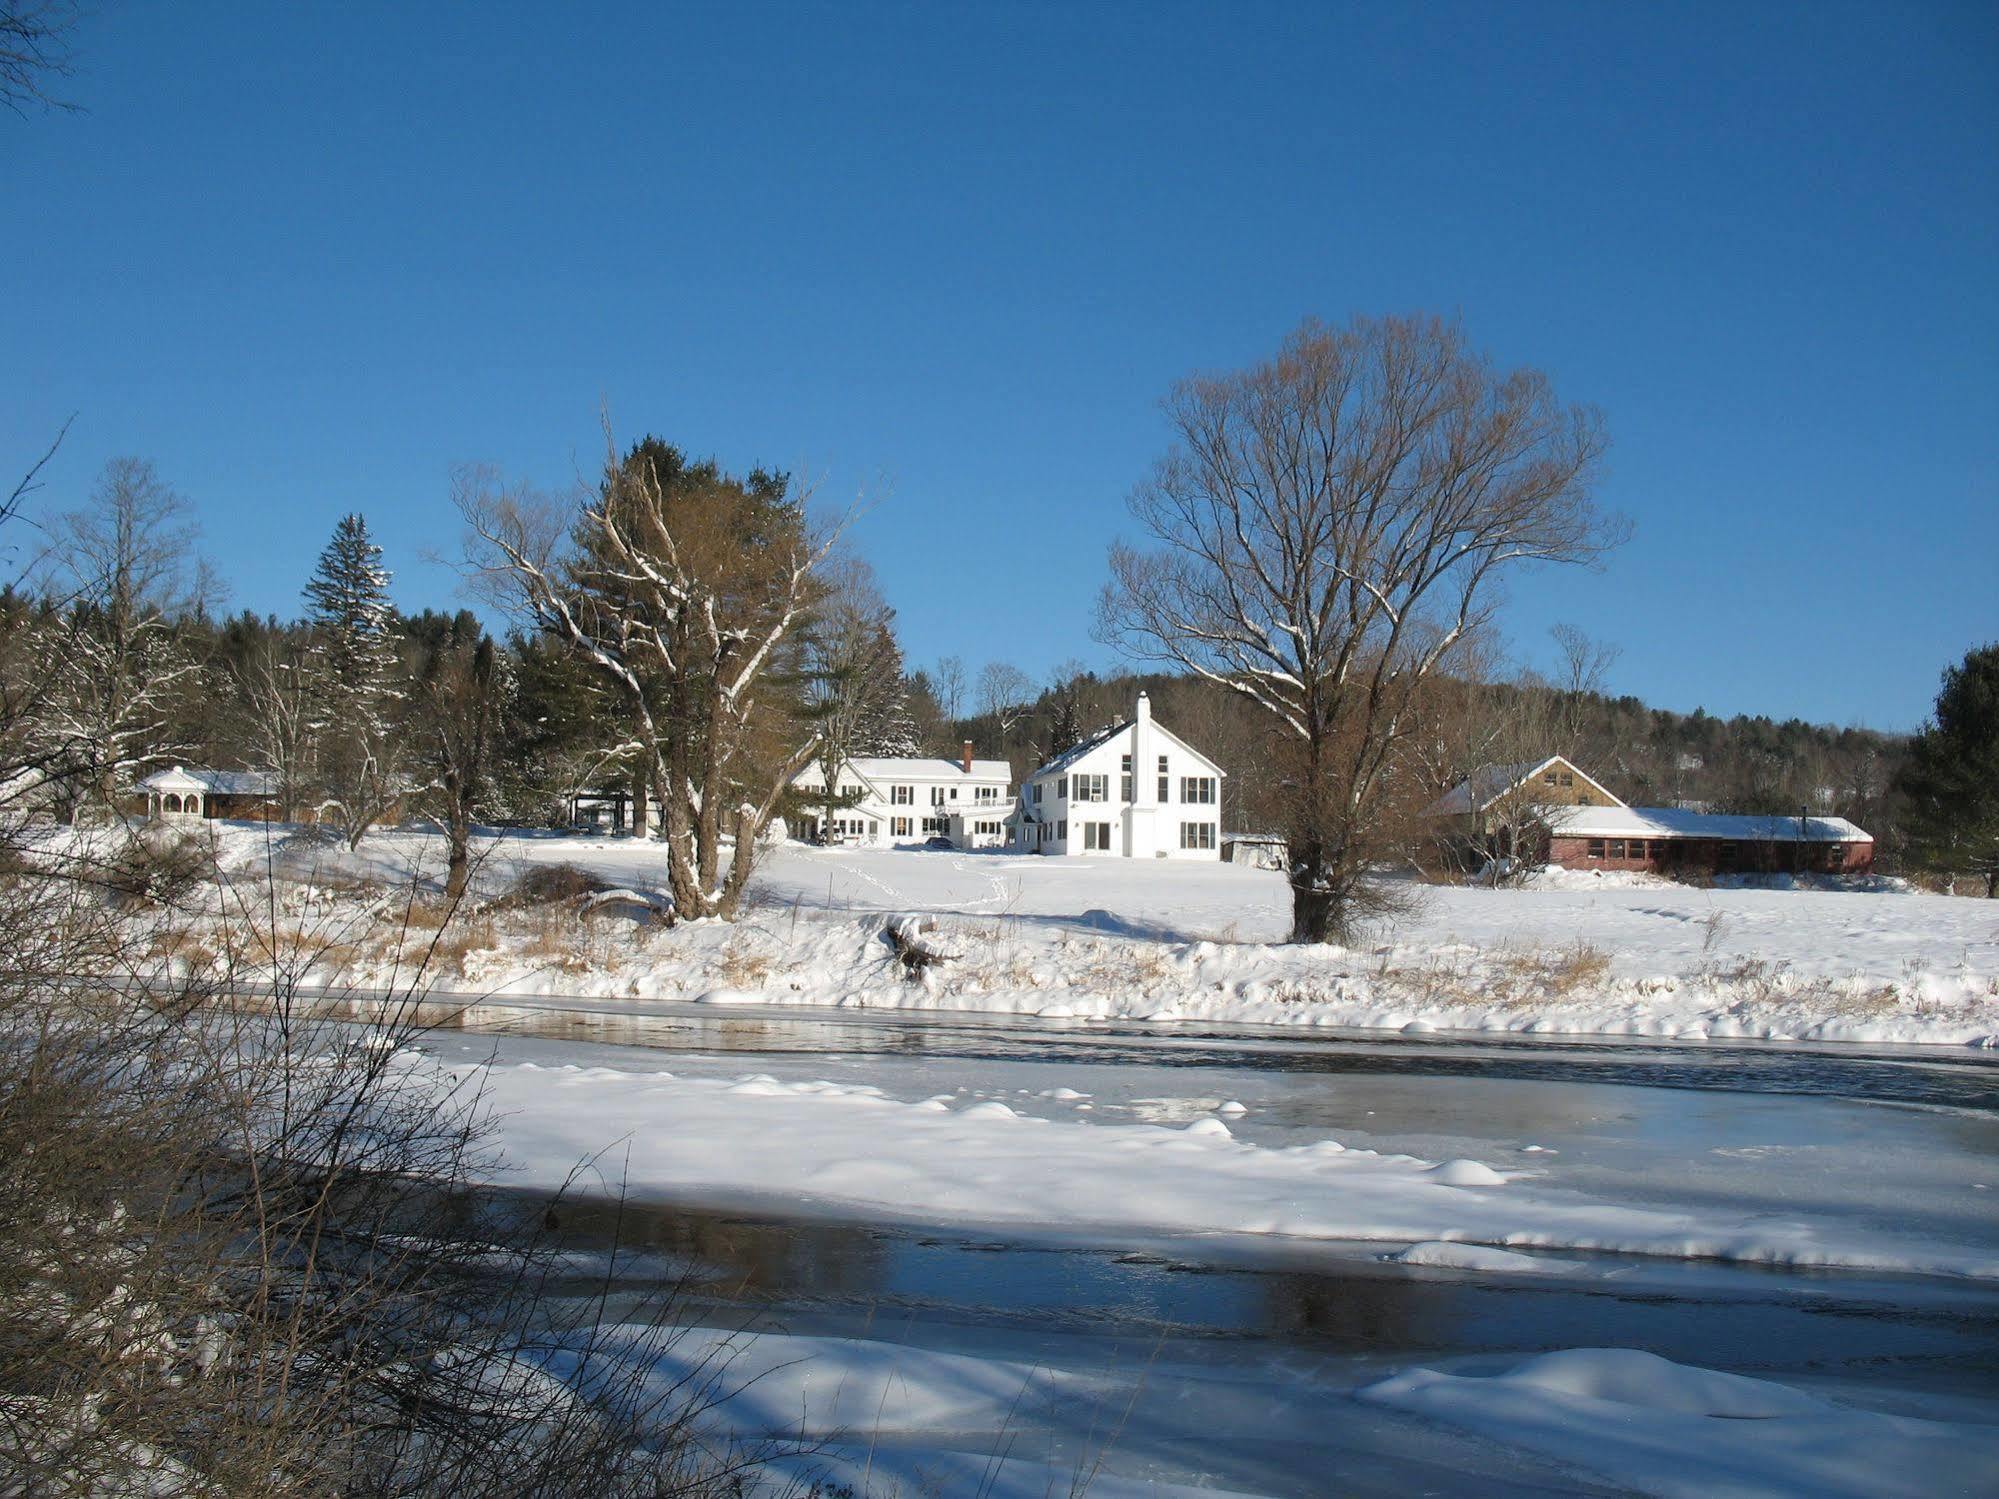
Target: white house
1134, 791
892, 799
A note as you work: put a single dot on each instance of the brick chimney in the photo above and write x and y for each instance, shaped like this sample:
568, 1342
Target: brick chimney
965, 757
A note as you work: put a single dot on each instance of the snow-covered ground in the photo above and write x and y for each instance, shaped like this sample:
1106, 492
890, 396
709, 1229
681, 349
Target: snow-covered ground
1169, 941
1079, 940
848, 1150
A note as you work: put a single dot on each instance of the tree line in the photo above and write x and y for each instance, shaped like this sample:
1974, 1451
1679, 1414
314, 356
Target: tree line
1315, 601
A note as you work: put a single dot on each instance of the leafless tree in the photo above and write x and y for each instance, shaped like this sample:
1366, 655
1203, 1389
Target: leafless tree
1582, 673
854, 676
687, 592
1005, 694
457, 701
950, 684
121, 575
275, 689
1326, 528
34, 51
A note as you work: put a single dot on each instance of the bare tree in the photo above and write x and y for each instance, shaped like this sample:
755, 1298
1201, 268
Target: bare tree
687, 590
279, 707
854, 674
949, 681
121, 576
1326, 529
1005, 694
34, 50
1582, 672
458, 700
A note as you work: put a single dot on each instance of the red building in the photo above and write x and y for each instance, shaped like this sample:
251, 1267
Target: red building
1551, 812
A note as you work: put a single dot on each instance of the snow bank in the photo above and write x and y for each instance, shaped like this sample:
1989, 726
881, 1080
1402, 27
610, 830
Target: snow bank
850, 1151
1167, 941
1663, 1428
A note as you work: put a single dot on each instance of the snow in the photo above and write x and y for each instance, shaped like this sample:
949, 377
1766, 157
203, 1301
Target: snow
1172, 941
1677, 822
846, 1151
1668, 1429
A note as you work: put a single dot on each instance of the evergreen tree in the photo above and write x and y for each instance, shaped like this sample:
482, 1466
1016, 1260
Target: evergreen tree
887, 725
1951, 778
355, 673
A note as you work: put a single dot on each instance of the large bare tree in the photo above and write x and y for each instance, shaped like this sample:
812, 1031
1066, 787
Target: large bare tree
122, 578
687, 590
1325, 529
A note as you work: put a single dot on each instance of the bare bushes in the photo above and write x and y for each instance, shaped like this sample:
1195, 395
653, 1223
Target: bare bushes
244, 1253
549, 885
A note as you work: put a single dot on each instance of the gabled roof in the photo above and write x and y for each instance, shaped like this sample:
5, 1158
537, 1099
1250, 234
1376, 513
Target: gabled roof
1079, 749
1489, 783
1103, 736
927, 768
258, 783
1677, 822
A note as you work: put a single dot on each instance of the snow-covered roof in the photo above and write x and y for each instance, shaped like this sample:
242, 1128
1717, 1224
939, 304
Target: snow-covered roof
1675, 822
1489, 783
262, 783
1103, 736
1079, 749
928, 768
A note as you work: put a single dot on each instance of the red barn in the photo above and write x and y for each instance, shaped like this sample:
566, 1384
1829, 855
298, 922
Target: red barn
1552, 812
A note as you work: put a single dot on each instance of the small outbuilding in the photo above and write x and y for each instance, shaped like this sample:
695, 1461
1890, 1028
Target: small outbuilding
1550, 811
179, 792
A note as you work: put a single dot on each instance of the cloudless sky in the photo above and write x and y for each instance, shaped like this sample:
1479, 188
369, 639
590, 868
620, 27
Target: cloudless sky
307, 257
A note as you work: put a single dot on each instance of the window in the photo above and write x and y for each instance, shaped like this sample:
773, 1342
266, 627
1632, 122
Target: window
851, 793
1550, 778
901, 796
986, 793
1197, 835
1596, 848
933, 825
1037, 793
1097, 837
936, 796
1835, 856
1124, 764
1062, 787
1199, 790
900, 827
954, 793
1062, 831
1568, 779
1617, 848
1092, 789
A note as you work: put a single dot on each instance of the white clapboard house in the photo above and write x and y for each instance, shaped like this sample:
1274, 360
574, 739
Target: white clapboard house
1135, 790
896, 799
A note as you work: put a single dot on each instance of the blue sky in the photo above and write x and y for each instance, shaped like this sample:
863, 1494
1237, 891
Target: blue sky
307, 257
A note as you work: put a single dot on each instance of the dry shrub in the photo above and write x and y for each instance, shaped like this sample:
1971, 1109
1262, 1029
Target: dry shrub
158, 867
550, 884
229, 1266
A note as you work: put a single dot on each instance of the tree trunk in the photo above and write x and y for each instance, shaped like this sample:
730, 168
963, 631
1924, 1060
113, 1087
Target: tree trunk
1314, 911
1992, 884
458, 862
641, 808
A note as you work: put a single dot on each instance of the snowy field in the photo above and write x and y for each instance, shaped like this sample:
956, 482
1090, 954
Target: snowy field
1169, 941
824, 1137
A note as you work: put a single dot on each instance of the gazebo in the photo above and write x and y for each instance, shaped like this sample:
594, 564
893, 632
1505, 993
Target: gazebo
179, 792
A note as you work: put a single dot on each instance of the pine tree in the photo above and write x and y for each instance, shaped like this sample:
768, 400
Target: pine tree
886, 726
355, 671
1952, 776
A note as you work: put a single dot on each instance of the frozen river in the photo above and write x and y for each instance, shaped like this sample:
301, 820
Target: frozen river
1231, 1364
